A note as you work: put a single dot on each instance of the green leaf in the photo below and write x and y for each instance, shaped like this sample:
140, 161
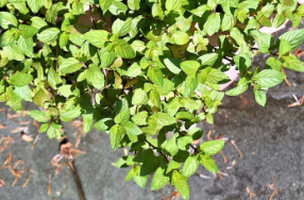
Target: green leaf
134, 4
207, 162
141, 181
103, 124
97, 38
284, 48
260, 97
87, 122
24, 92
156, 76
48, 35
54, 131
7, 19
131, 173
212, 147
27, 31
7, 38
116, 134
173, 5
171, 146
190, 85
173, 106
190, 166
208, 59
278, 20
239, 89
173, 65
21, 79
292, 62
131, 128
123, 116
53, 78
180, 38
65, 90
69, 66
35, 5
140, 118
13, 52
105, 4
157, 11
211, 75
268, 78
94, 76
228, 22
159, 179
71, 114
121, 27
265, 41
139, 97
124, 50
155, 98
294, 37
213, 24
274, 64
150, 164
164, 119
106, 58
190, 67
172, 165
183, 142
180, 183
39, 115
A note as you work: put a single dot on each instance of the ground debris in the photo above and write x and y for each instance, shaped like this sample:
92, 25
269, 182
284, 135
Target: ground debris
173, 196
2, 182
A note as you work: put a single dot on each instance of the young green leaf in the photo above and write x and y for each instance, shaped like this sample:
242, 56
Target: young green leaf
156, 76
159, 179
212, 147
294, 37
94, 76
97, 38
124, 50
21, 79
268, 78
207, 162
260, 97
7, 19
190, 67
190, 166
180, 183
292, 62
48, 35
116, 134
39, 115
69, 66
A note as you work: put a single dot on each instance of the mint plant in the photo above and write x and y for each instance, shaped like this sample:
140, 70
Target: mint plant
141, 69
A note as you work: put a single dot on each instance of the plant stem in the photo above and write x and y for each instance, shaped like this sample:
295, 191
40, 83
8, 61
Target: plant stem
77, 180
155, 148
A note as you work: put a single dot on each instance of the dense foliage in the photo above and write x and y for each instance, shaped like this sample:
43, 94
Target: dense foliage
142, 70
